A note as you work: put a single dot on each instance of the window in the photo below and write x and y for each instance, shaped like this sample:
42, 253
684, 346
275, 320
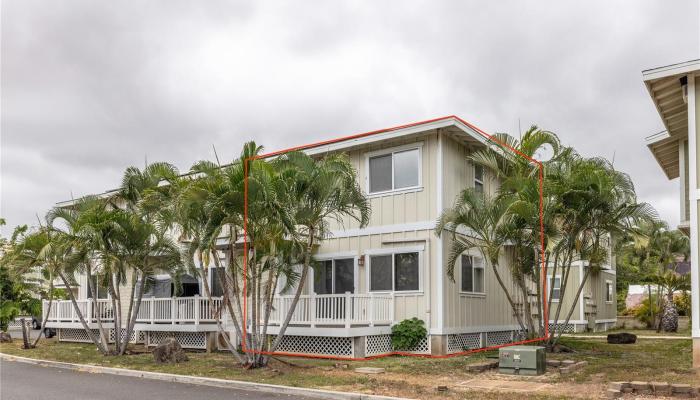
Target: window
217, 276
97, 284
334, 276
609, 291
555, 287
472, 274
394, 171
479, 178
398, 272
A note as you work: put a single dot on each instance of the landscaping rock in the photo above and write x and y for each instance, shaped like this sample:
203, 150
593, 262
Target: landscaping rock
640, 387
442, 388
613, 394
169, 351
553, 363
566, 363
661, 388
619, 385
627, 390
5, 337
482, 366
369, 370
622, 338
681, 388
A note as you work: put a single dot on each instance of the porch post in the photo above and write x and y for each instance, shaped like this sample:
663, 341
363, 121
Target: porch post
312, 309
348, 309
173, 309
151, 310
693, 194
370, 313
196, 309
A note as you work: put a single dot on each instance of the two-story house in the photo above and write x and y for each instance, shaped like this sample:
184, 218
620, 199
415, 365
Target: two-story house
395, 268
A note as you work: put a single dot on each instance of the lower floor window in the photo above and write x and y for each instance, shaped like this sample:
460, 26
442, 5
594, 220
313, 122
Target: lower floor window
555, 285
334, 276
472, 274
398, 272
609, 291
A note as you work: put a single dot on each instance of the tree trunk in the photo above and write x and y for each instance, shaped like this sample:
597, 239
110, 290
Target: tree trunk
300, 288
100, 346
48, 311
25, 335
573, 307
669, 320
494, 265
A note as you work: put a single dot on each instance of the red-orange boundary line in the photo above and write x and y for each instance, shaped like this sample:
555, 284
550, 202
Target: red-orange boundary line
394, 353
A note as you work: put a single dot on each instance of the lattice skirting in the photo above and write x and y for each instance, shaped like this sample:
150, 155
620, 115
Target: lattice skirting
566, 328
188, 340
463, 341
381, 344
76, 335
319, 345
499, 337
135, 337
15, 324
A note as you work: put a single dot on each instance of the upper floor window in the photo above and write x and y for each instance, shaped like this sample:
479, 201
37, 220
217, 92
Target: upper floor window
479, 178
394, 170
472, 274
609, 291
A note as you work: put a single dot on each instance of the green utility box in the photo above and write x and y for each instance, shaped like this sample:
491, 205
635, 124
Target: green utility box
522, 360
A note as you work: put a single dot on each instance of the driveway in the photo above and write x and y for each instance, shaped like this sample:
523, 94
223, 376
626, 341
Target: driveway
20, 381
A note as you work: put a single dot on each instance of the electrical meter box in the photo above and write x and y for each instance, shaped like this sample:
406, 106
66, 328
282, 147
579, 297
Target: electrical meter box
522, 360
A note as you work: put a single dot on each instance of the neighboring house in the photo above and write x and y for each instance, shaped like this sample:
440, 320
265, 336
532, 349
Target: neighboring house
675, 90
393, 269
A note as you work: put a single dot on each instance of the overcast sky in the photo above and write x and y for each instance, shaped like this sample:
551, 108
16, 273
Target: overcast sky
92, 87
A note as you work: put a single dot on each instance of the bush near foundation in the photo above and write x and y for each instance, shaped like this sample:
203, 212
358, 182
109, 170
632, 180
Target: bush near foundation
407, 334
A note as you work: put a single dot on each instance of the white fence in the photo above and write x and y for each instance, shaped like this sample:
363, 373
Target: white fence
335, 309
328, 310
64, 310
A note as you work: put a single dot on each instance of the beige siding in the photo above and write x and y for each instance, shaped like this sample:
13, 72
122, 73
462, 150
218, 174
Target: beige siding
400, 208
569, 297
406, 305
464, 311
596, 287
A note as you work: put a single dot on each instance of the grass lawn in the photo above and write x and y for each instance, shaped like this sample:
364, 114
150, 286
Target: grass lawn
639, 332
659, 360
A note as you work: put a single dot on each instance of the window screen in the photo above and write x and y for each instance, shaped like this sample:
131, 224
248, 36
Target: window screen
380, 272
323, 277
406, 274
344, 275
406, 169
380, 173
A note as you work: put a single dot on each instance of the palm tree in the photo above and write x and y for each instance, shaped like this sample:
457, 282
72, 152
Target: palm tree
43, 249
316, 192
89, 227
485, 223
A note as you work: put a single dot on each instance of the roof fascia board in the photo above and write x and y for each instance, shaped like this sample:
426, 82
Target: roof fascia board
443, 123
671, 70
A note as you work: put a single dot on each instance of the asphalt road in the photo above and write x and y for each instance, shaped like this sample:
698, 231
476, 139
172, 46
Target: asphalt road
20, 381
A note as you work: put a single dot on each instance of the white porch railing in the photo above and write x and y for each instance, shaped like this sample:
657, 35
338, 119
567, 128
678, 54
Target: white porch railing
64, 311
179, 310
328, 310
336, 309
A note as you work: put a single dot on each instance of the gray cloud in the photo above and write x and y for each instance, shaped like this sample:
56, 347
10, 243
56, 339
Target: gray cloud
91, 87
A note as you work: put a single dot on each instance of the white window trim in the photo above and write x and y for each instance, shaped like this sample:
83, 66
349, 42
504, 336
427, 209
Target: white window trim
483, 267
332, 257
393, 252
612, 295
550, 285
398, 149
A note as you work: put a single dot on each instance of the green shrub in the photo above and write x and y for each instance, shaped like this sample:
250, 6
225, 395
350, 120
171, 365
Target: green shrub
642, 313
407, 334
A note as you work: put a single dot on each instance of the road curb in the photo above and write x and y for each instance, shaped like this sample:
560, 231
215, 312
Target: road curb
195, 380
